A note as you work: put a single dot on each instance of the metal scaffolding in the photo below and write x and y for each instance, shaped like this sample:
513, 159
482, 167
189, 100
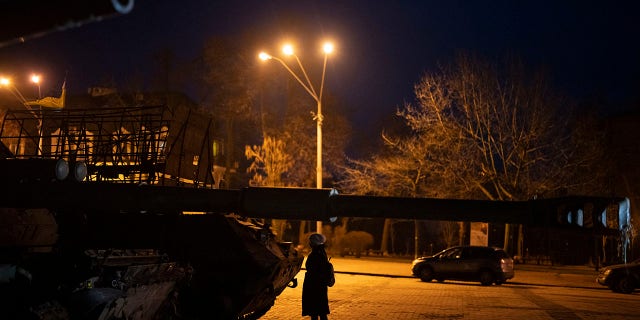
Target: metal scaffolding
116, 144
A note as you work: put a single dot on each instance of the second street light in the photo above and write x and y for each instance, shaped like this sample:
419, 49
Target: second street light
35, 78
316, 95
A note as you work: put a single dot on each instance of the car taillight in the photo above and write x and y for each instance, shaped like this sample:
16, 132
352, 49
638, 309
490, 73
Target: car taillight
506, 265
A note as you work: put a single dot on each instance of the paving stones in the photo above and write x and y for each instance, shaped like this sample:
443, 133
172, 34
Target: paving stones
362, 292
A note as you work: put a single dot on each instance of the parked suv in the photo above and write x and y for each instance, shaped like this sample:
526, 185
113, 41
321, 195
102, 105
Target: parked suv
623, 278
468, 263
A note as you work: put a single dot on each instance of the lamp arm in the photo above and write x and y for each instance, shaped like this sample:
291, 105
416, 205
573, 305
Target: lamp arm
304, 72
313, 95
324, 68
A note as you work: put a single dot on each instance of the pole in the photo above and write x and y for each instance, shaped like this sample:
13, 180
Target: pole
319, 157
318, 117
319, 142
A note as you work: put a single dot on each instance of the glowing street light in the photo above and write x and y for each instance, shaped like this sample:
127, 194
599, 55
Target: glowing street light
327, 47
288, 50
264, 56
36, 78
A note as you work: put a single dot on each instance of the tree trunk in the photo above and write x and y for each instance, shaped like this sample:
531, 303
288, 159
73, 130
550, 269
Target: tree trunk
279, 226
416, 239
384, 244
392, 234
520, 249
302, 232
345, 225
229, 152
507, 229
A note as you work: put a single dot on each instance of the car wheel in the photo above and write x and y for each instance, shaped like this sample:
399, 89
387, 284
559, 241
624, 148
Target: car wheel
486, 277
614, 287
625, 285
499, 282
426, 274
441, 280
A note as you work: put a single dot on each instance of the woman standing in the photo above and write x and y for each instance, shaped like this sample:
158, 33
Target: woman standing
315, 301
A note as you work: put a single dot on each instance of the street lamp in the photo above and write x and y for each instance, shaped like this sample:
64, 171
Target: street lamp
288, 50
7, 83
36, 78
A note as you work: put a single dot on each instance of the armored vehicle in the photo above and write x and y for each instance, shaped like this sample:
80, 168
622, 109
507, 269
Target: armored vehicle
98, 219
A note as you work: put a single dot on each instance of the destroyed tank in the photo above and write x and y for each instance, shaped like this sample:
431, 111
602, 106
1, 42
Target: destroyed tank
79, 242
99, 222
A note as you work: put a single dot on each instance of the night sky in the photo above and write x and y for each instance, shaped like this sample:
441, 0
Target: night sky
589, 48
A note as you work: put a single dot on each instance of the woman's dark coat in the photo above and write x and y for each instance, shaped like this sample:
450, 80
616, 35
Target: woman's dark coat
314, 290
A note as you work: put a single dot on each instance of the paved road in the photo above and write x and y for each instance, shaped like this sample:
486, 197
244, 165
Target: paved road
555, 293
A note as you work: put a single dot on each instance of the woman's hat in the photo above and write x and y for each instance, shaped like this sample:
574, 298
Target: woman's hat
317, 239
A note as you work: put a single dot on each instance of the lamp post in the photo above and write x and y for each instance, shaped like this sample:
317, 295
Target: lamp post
327, 48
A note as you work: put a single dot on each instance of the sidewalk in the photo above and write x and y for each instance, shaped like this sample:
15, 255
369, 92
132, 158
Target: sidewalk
389, 292
388, 267
558, 269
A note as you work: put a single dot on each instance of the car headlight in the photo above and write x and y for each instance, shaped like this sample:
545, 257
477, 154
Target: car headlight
606, 272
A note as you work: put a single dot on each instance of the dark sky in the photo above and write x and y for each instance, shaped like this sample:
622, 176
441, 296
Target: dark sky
590, 48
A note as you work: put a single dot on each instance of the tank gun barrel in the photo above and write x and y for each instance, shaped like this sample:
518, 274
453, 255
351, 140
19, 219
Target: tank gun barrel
326, 204
292, 203
118, 197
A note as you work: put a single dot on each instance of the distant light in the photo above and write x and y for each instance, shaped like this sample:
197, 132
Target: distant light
35, 78
264, 56
287, 49
327, 47
5, 81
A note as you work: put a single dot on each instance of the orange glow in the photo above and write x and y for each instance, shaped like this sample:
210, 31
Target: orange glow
35, 78
327, 47
287, 49
264, 56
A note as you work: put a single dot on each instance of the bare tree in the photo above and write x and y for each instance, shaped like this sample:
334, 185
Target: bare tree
485, 132
513, 135
450, 232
